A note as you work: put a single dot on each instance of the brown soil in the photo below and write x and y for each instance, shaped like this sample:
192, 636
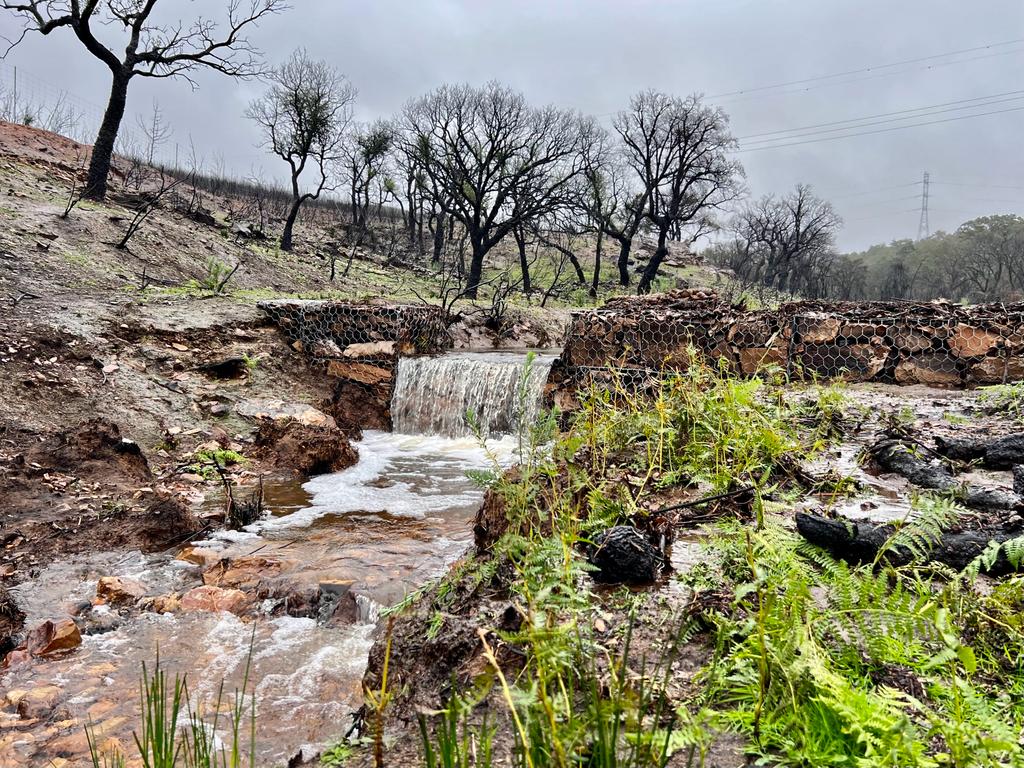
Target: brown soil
304, 449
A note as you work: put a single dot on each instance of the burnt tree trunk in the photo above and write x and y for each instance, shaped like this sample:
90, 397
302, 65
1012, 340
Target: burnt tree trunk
439, 225
598, 249
103, 149
651, 270
524, 264
625, 246
289, 224
476, 266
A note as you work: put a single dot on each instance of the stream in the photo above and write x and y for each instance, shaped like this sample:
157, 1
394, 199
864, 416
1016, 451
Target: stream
381, 528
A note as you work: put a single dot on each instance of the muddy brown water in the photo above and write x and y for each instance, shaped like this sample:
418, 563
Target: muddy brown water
389, 524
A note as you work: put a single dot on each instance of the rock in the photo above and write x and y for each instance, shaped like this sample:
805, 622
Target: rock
855, 362
996, 370
38, 703
226, 368
163, 604
935, 369
12, 618
278, 410
753, 359
220, 409
623, 555
969, 341
199, 556
305, 449
363, 373
370, 349
210, 598
53, 637
817, 329
244, 573
1018, 479
118, 591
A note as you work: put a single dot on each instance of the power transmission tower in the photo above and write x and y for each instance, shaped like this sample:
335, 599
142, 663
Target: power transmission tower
923, 228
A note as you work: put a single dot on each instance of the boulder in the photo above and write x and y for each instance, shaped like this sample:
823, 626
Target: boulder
933, 369
211, 598
855, 362
243, 573
753, 359
53, 637
199, 556
38, 703
279, 410
118, 591
970, 341
995, 370
307, 450
818, 329
624, 555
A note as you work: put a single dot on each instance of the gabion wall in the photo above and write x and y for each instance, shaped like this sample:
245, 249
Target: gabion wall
937, 344
359, 344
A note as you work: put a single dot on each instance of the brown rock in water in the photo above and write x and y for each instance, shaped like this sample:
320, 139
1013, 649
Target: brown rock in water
199, 556
53, 637
38, 703
12, 618
242, 572
210, 598
116, 590
305, 449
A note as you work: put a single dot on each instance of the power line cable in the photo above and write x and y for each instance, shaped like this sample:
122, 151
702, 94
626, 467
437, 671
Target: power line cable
878, 131
1016, 95
873, 68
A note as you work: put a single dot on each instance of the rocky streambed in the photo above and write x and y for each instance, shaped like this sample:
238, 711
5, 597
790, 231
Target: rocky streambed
303, 586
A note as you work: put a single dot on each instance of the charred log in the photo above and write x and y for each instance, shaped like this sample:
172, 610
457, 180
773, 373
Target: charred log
860, 542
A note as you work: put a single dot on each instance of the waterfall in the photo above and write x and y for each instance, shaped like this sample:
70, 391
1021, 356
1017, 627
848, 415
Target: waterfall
433, 394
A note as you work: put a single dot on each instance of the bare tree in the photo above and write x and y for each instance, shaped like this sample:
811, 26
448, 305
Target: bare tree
147, 203
492, 161
151, 49
303, 117
786, 243
156, 131
679, 150
365, 155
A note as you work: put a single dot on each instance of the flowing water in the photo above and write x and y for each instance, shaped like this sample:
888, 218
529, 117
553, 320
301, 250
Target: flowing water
388, 525
434, 394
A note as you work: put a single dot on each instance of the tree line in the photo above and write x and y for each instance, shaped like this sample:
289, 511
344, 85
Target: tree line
486, 166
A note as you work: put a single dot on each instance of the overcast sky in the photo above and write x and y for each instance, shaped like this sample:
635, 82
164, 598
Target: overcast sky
592, 54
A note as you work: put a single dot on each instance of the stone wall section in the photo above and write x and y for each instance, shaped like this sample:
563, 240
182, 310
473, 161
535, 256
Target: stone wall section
358, 345
937, 344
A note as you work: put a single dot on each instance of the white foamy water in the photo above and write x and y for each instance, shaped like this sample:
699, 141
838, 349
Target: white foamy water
410, 476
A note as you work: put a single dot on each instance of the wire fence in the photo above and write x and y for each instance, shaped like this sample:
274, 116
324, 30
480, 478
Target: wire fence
938, 344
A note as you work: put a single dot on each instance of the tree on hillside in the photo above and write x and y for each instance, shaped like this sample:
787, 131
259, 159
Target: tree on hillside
786, 243
303, 117
678, 148
366, 153
492, 161
151, 48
